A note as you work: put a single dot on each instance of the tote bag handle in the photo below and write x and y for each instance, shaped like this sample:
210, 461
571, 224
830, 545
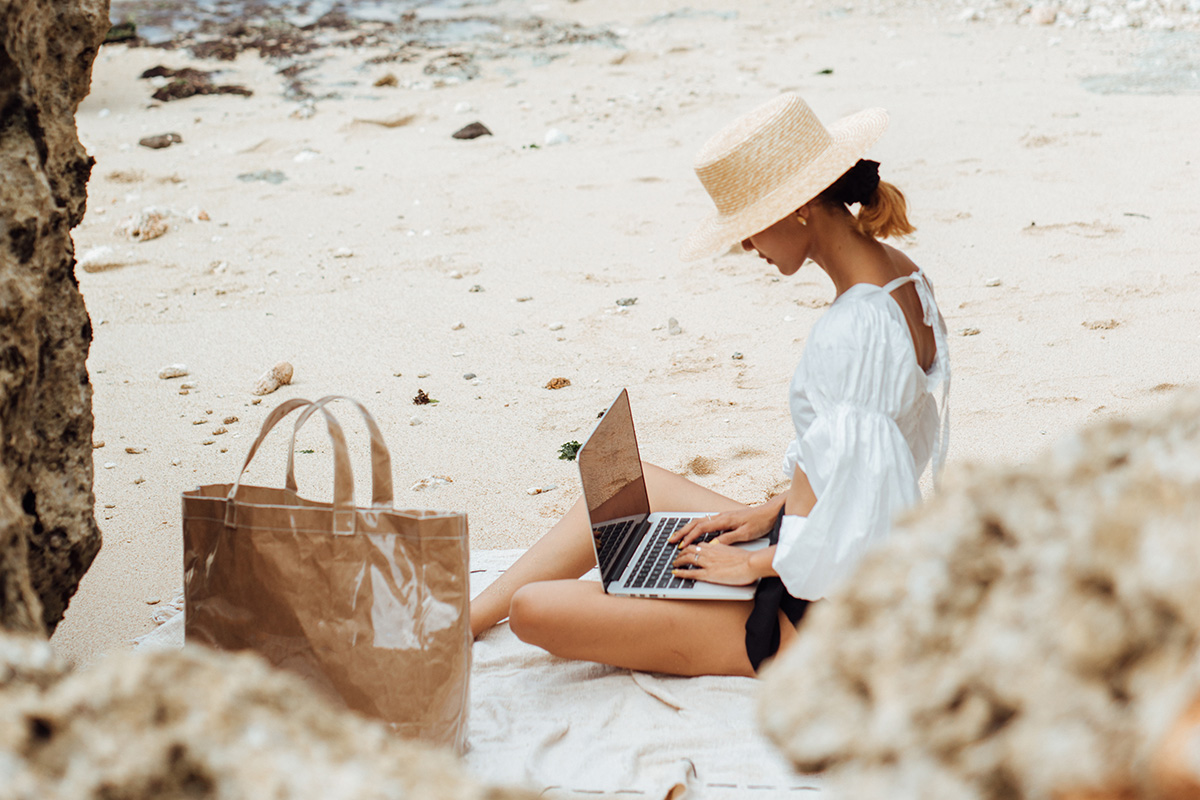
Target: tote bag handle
343, 476
381, 460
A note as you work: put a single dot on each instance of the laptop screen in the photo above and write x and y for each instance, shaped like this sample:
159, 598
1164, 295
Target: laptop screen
610, 467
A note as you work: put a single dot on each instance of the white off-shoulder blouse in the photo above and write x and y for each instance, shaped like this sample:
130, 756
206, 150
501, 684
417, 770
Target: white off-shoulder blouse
867, 424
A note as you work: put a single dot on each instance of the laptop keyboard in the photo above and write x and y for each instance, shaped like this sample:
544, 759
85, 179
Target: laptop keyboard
653, 570
609, 538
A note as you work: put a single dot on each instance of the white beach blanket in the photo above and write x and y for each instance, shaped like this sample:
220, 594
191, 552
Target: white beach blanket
573, 729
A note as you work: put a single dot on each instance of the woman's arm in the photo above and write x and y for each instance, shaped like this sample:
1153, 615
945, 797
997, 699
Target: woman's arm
718, 562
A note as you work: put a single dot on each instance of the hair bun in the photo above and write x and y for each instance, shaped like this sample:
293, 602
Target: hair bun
857, 184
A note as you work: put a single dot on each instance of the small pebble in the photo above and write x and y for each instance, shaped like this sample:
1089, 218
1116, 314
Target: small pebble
516, 331
110, 505
152, 601
172, 371
736, 356
557, 326
422, 374
224, 449
184, 391
138, 481
455, 275
229, 420
109, 464
415, 421
524, 298
97, 445
458, 326
219, 432
969, 332
557, 383
256, 401
468, 376
540, 489
343, 252
133, 451
175, 462
475, 288
555, 136
627, 301
207, 442
993, 282
472, 131
673, 328
431, 482
199, 422
187, 386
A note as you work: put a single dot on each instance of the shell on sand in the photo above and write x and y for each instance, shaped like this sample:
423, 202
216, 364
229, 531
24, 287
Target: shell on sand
272, 379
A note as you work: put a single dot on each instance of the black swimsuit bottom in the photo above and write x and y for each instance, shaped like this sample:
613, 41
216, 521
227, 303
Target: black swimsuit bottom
762, 627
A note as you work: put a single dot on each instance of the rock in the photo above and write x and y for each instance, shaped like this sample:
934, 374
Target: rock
414, 421
472, 131
135, 451
219, 431
555, 136
625, 302
534, 490
100, 258
968, 332
272, 176
343, 252
1101, 325
556, 326
737, 356
188, 82
386, 80
148, 224
673, 328
161, 140
431, 482
475, 288
993, 282
48, 534
468, 376
272, 379
558, 383
200, 723
1023, 611
229, 420
458, 326
173, 371
1043, 15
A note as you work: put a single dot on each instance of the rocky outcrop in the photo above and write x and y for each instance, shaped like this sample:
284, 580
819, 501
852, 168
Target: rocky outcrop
1029, 632
48, 536
199, 724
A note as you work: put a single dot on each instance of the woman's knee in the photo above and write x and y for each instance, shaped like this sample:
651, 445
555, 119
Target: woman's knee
531, 614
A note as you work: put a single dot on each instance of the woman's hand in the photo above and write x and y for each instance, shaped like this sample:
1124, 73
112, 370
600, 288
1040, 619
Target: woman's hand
721, 563
743, 525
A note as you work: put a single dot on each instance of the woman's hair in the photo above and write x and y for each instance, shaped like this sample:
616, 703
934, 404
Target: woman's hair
882, 211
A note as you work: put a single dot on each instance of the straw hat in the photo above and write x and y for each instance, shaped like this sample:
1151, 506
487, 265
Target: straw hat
768, 163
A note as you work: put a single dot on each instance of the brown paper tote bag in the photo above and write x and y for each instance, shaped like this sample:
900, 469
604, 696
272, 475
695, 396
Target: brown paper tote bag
368, 604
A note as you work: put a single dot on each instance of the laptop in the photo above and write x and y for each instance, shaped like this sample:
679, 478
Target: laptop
631, 543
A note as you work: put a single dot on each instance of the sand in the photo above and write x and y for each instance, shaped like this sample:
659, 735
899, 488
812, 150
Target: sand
1053, 191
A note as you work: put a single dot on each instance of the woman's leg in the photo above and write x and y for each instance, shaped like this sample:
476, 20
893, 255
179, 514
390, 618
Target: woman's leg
576, 619
566, 551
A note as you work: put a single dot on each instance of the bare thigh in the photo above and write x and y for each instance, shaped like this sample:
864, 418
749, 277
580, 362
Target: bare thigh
576, 619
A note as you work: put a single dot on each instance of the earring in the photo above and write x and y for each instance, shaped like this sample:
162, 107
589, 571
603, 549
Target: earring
803, 221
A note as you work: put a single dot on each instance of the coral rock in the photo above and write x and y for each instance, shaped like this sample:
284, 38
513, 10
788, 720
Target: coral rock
199, 723
48, 535
1030, 632
272, 379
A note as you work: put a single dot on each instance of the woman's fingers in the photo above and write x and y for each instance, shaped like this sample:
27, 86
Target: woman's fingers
695, 529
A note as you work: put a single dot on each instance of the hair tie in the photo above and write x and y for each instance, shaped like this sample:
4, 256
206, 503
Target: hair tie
857, 184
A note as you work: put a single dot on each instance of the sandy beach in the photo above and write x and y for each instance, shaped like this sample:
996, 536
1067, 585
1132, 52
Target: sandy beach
1051, 171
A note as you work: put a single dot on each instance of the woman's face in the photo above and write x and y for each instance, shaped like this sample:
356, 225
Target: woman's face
783, 245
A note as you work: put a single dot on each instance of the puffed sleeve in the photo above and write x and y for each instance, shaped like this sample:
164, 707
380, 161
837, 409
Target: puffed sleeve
855, 457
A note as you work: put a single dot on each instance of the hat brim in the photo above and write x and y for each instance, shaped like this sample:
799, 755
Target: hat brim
852, 136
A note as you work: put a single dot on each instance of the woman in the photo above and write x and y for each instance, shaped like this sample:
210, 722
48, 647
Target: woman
861, 401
